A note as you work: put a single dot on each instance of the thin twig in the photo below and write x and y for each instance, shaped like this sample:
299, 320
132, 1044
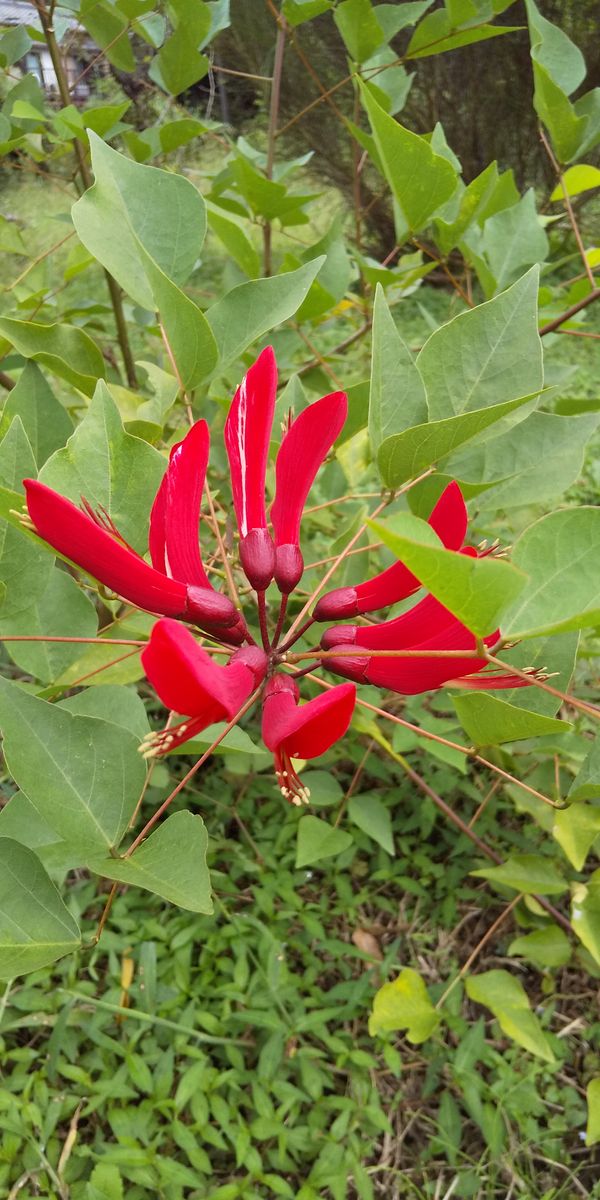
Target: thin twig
569, 207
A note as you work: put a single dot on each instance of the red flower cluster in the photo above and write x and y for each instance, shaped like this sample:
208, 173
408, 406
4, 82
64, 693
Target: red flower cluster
176, 585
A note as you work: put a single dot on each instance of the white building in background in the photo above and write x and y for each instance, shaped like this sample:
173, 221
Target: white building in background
73, 37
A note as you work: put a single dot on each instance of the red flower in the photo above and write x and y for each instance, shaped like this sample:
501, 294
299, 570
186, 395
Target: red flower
247, 436
176, 584
428, 626
307, 442
291, 730
188, 681
448, 519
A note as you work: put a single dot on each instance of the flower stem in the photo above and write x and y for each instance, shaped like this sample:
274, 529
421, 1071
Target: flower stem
280, 620
262, 620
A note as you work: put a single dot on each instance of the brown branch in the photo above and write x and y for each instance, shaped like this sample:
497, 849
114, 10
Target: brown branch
272, 133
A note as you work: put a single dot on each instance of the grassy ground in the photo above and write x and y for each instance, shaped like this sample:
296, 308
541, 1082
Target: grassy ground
243, 1067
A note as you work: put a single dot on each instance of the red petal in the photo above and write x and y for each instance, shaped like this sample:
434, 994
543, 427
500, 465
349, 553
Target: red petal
72, 533
422, 622
491, 682
448, 519
156, 532
307, 730
188, 680
247, 435
185, 475
304, 447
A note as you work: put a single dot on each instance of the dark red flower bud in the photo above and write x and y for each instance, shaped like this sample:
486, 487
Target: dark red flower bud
348, 666
206, 607
281, 683
257, 556
342, 602
339, 634
289, 565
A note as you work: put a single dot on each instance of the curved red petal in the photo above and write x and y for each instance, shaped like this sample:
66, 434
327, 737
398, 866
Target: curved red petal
307, 730
188, 680
186, 474
69, 531
156, 532
247, 435
449, 520
304, 447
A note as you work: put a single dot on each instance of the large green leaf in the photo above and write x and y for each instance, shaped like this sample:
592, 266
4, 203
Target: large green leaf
421, 180
576, 829
25, 567
397, 398
67, 351
528, 873
438, 33
368, 812
110, 468
179, 64
235, 240
587, 784
83, 775
147, 226
485, 356
561, 555
46, 423
63, 610
359, 27
489, 721
556, 653
476, 590
545, 948
36, 928
585, 914
404, 1004
407, 454
21, 821
317, 839
514, 239
507, 999
533, 462
256, 307
112, 702
171, 863
554, 51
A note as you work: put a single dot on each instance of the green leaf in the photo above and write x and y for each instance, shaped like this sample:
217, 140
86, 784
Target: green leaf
179, 64
407, 454
528, 873
317, 840
592, 1133
507, 1000
114, 703
535, 461
489, 721
576, 829
298, 11
171, 863
359, 27
560, 554
254, 308
373, 818
587, 784
585, 914
62, 610
21, 821
438, 33
404, 1004
111, 468
421, 181
235, 240
36, 928
554, 51
14, 45
581, 178
476, 590
156, 222
545, 948
514, 239
323, 788
108, 28
556, 653
486, 356
567, 129
82, 775
46, 423
25, 566
68, 352
397, 398
105, 1183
